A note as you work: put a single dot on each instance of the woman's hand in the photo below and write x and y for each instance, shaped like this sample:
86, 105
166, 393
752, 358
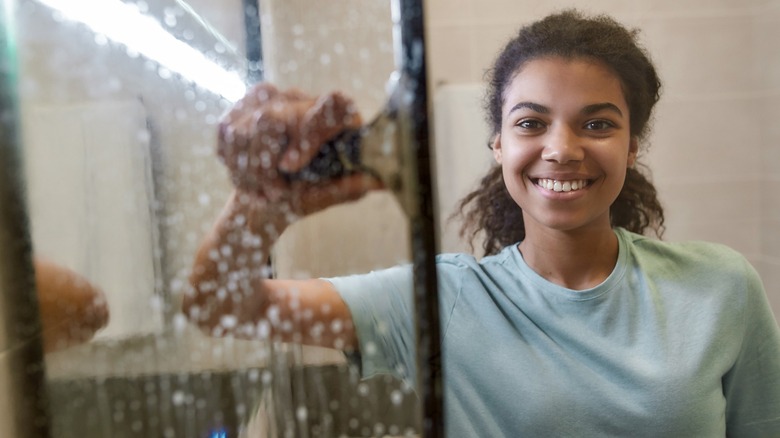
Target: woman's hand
270, 132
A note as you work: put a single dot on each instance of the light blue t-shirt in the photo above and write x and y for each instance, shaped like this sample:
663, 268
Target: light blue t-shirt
678, 341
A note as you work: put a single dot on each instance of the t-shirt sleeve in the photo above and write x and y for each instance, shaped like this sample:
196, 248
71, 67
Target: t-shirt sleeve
381, 307
752, 386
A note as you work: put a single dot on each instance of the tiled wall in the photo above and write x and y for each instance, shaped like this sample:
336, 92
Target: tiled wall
768, 44
715, 149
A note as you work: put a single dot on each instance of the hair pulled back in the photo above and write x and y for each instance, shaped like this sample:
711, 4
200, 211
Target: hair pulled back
569, 35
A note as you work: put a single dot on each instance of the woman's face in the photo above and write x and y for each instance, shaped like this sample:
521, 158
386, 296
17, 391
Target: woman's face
565, 143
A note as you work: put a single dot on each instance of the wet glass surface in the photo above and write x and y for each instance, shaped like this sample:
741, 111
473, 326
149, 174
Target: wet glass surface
119, 104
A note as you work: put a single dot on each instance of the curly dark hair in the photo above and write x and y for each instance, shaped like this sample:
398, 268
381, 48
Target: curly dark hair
568, 34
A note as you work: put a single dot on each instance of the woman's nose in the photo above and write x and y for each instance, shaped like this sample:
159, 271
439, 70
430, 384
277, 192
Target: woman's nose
562, 145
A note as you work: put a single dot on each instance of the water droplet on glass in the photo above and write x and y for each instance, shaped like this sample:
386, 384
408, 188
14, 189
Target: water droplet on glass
396, 397
164, 73
228, 321
301, 413
204, 199
336, 325
179, 322
156, 303
178, 397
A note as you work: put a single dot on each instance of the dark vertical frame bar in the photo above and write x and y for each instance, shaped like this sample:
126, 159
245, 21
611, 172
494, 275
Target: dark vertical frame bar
22, 345
413, 119
254, 45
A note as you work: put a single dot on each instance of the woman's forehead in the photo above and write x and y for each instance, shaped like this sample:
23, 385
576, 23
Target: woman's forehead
556, 81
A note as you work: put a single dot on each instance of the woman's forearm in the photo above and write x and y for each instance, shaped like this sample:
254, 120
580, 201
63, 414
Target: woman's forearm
227, 294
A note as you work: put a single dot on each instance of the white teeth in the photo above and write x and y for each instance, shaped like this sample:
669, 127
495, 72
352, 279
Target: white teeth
562, 186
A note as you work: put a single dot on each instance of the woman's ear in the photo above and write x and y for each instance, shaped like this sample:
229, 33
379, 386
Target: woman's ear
495, 145
633, 150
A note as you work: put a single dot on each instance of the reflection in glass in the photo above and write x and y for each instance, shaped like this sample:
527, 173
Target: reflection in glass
119, 107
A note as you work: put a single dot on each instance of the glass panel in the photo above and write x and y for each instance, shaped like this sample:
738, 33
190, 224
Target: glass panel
120, 103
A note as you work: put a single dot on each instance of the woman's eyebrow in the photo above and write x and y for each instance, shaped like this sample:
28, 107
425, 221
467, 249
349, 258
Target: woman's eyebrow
532, 106
596, 107
588, 110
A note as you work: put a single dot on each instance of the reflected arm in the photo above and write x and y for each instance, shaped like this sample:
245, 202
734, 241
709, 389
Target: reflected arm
231, 295
72, 310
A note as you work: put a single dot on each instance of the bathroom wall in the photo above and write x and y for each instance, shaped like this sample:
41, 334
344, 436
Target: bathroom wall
714, 150
768, 43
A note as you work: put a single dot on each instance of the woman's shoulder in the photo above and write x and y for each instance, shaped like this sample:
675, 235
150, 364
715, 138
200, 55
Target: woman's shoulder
690, 251
465, 261
694, 260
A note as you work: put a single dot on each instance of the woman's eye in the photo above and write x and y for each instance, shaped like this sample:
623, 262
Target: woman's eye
599, 125
530, 124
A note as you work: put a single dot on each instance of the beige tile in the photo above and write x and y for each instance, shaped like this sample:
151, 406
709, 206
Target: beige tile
770, 275
726, 212
766, 48
768, 114
303, 14
448, 12
727, 201
515, 12
696, 7
770, 242
702, 55
344, 240
224, 16
711, 140
743, 237
450, 54
770, 200
487, 43
358, 60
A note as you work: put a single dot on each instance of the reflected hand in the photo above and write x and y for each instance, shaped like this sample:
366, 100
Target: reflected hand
72, 309
270, 132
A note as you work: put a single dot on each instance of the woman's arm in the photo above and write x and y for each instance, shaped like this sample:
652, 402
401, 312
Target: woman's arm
231, 294
267, 133
72, 310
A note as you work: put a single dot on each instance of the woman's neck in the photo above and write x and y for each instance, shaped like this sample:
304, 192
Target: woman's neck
576, 260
